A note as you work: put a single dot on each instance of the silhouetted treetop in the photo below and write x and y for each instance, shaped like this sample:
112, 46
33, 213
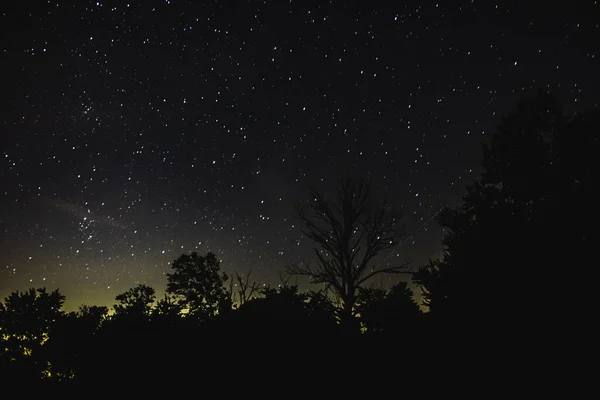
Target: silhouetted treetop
135, 301
524, 221
167, 309
392, 311
349, 231
27, 320
92, 316
197, 284
242, 289
32, 312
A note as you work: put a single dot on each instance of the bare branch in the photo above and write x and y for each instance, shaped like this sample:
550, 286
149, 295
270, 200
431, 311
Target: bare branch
246, 290
400, 269
348, 232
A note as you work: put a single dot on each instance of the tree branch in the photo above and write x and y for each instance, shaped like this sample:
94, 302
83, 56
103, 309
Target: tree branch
399, 269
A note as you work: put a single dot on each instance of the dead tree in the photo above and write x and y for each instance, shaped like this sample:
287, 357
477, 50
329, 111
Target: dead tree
349, 232
245, 290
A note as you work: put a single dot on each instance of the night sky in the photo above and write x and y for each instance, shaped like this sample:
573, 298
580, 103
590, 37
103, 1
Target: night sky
131, 133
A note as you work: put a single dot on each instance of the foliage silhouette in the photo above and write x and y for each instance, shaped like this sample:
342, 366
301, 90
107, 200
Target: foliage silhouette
280, 321
349, 232
31, 313
92, 316
26, 323
198, 286
68, 340
392, 312
136, 301
521, 222
167, 310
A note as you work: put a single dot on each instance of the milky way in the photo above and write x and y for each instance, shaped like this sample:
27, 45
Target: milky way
132, 133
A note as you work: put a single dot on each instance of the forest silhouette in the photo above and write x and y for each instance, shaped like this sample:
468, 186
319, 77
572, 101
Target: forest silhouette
496, 290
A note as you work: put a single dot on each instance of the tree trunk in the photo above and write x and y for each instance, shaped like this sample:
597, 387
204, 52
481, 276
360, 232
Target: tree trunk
346, 316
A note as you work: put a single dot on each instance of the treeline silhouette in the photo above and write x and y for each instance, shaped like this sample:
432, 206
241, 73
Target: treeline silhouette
497, 291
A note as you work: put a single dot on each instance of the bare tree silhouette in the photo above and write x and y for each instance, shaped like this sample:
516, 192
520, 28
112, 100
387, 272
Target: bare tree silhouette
349, 232
241, 289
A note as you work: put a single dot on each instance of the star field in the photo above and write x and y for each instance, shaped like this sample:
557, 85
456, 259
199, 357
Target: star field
134, 132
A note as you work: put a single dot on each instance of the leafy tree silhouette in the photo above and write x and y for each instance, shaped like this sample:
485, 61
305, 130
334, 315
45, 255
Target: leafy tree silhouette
2, 315
69, 341
198, 286
31, 313
576, 179
27, 320
282, 318
349, 232
131, 337
167, 310
320, 307
392, 312
521, 222
136, 301
92, 317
